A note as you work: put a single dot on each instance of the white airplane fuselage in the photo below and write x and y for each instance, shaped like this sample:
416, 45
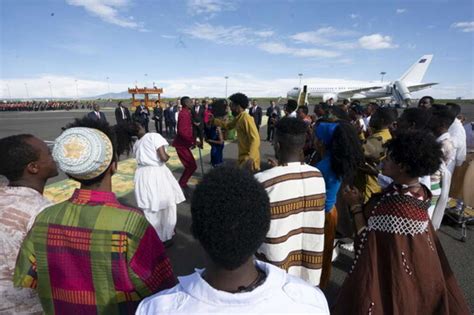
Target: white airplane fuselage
399, 90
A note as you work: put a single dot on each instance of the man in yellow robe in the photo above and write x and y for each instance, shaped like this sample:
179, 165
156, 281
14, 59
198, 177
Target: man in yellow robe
248, 137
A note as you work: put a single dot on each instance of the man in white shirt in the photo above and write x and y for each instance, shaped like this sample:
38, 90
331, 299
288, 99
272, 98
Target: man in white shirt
230, 218
458, 134
27, 163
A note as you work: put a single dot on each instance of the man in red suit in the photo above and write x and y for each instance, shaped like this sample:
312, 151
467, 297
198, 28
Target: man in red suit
184, 142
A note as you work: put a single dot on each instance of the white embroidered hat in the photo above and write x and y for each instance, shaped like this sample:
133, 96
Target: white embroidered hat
83, 153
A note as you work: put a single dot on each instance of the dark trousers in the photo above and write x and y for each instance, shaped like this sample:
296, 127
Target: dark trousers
187, 159
270, 132
159, 126
198, 131
144, 123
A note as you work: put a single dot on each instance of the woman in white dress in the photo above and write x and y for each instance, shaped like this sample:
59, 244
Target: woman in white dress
156, 190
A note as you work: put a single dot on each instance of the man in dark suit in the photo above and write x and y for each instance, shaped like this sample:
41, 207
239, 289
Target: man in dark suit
256, 112
142, 115
197, 113
158, 117
122, 114
274, 115
170, 119
96, 114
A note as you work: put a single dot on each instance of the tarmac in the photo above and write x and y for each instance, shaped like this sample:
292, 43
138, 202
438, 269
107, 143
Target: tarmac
186, 254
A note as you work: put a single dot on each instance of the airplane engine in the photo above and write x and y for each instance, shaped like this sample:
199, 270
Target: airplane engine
401, 92
326, 97
294, 93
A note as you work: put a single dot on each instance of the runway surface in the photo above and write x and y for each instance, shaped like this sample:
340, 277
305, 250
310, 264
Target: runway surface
186, 254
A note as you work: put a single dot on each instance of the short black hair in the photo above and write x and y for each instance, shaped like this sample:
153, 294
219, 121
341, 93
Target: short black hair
304, 108
184, 99
417, 151
383, 118
291, 106
16, 154
100, 125
230, 215
338, 113
291, 132
455, 108
426, 98
416, 117
240, 99
441, 117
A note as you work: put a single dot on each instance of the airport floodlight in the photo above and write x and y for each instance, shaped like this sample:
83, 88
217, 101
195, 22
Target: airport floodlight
226, 78
27, 93
300, 75
382, 74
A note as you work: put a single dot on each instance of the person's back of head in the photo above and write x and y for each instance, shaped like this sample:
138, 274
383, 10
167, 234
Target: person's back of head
416, 151
383, 118
291, 106
341, 140
454, 108
24, 156
186, 101
441, 118
290, 137
415, 118
230, 216
240, 99
87, 151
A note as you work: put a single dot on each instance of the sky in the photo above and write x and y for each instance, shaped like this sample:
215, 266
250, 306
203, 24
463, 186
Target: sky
82, 48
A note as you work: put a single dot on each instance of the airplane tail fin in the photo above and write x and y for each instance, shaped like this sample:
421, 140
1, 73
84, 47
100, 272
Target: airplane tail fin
417, 71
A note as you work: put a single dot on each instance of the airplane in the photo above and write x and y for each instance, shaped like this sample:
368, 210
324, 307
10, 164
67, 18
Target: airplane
399, 90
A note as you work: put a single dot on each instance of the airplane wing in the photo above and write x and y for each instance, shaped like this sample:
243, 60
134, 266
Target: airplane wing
417, 87
349, 93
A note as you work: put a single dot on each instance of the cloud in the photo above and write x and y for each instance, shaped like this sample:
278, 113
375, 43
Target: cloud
353, 16
465, 27
326, 36
400, 11
376, 41
233, 35
212, 7
282, 49
108, 11
61, 86
168, 36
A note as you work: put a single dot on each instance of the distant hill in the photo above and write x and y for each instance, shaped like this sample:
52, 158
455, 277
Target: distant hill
119, 95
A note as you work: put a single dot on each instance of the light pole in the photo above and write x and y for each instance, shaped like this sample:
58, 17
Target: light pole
226, 78
382, 74
77, 91
108, 85
26, 88
146, 78
300, 75
9, 93
50, 90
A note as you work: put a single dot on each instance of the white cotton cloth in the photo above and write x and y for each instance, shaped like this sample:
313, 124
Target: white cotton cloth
156, 188
295, 239
164, 221
279, 294
458, 137
19, 207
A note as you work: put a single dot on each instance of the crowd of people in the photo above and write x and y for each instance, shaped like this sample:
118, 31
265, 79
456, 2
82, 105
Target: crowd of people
268, 227
35, 106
